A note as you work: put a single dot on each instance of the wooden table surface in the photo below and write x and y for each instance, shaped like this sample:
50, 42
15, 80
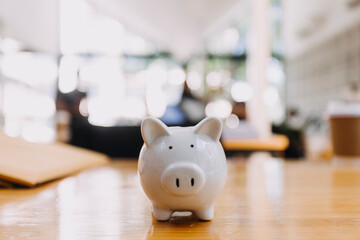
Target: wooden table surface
264, 198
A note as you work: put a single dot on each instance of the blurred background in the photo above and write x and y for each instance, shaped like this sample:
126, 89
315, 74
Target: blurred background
86, 72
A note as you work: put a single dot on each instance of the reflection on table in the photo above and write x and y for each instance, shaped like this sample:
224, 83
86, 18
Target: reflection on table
264, 198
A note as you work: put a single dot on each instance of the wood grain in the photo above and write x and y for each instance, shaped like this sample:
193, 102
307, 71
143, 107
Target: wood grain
264, 198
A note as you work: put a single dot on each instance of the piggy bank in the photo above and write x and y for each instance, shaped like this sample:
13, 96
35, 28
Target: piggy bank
182, 168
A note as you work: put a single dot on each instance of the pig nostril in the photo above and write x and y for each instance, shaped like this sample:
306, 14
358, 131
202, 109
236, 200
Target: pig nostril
192, 182
177, 182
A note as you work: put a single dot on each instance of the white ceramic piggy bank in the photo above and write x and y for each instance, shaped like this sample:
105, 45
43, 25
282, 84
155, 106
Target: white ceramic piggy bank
182, 168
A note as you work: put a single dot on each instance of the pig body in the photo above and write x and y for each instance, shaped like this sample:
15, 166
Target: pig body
182, 169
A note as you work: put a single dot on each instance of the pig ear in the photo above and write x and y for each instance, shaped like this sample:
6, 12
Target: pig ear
152, 128
210, 127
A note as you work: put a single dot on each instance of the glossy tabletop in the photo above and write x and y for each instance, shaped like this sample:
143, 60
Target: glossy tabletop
264, 198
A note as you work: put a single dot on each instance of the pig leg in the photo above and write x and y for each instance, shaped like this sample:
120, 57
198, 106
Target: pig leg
162, 214
205, 214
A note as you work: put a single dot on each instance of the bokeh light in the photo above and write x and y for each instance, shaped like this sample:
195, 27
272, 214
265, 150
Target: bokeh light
194, 80
241, 91
220, 108
213, 80
232, 121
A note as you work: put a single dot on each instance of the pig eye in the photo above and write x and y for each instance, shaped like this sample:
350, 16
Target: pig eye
192, 145
170, 147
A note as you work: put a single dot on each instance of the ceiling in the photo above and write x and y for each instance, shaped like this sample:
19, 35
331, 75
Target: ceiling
33, 22
179, 27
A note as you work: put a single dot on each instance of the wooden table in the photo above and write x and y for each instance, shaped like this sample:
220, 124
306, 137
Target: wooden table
264, 198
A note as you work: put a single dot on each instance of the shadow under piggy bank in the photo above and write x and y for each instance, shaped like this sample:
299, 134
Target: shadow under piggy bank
182, 225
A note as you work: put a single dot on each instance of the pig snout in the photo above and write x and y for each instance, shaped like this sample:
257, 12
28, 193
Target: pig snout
183, 178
